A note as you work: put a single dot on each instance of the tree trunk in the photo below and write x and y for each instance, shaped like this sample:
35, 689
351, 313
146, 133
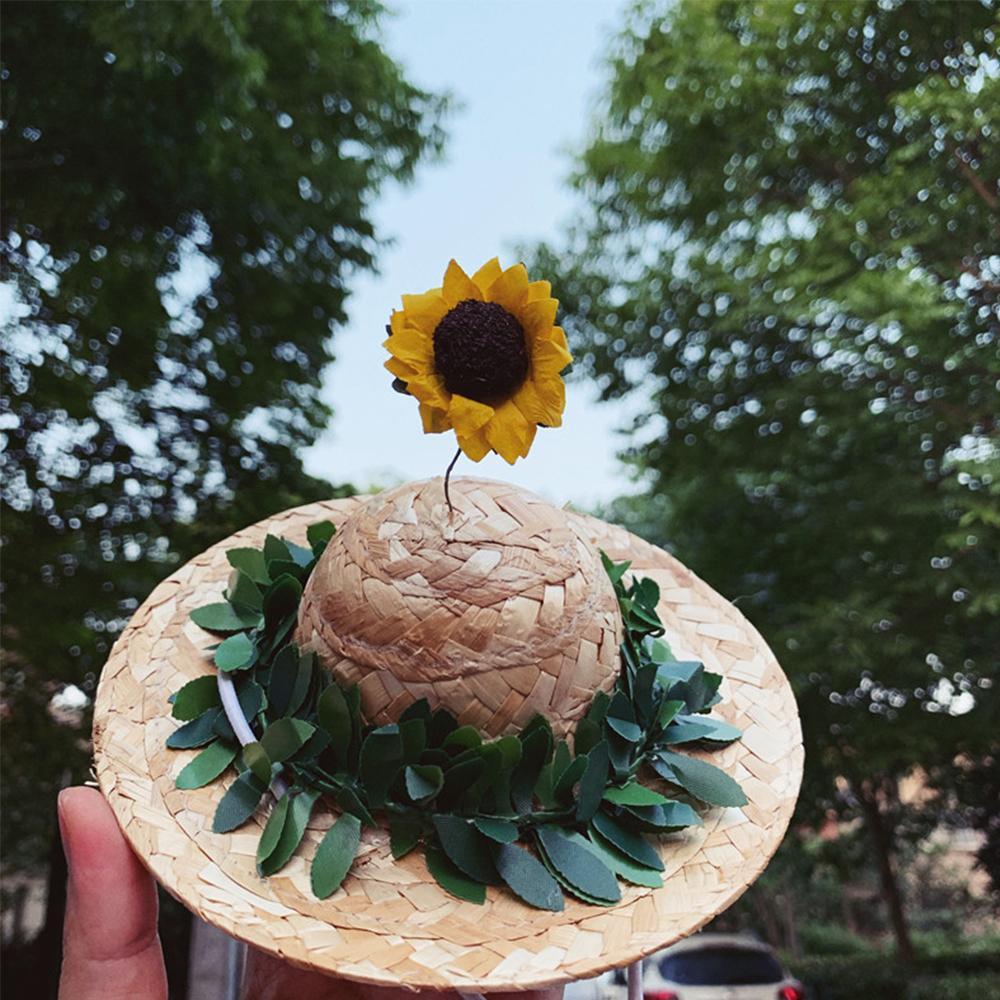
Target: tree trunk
881, 829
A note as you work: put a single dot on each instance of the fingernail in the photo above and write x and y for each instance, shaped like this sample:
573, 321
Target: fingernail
63, 835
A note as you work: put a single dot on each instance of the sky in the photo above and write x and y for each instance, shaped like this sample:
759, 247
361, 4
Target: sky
526, 75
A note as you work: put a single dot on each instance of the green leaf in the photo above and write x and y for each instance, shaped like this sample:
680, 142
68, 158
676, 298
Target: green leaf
500, 830
196, 697
579, 868
423, 781
564, 785
350, 803
714, 730
285, 737
284, 670
250, 696
207, 766
614, 570
642, 695
466, 737
648, 592
413, 734
593, 783
598, 710
668, 711
536, 747
622, 865
586, 737
319, 535
634, 794
632, 844
659, 651
380, 761
404, 835
255, 757
451, 879
697, 777
251, 562
275, 548
285, 567
313, 747
685, 729
335, 855
621, 719
224, 618
281, 600
441, 724
663, 818
244, 594
465, 847
235, 653
335, 718
195, 733
458, 779
294, 828
303, 680
238, 804
420, 709
527, 877
620, 754
272, 829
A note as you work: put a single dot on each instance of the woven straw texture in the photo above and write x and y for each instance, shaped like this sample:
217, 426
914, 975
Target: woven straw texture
497, 611
390, 924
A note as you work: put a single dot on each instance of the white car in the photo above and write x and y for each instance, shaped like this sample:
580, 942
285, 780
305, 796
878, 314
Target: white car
702, 967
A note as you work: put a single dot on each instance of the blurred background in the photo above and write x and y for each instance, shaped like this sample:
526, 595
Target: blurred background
775, 233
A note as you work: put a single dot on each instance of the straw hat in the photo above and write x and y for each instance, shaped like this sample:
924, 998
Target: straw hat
505, 602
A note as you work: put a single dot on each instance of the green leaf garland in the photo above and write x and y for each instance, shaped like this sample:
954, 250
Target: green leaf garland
527, 812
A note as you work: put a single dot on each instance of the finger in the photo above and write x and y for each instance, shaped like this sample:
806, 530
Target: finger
268, 978
110, 947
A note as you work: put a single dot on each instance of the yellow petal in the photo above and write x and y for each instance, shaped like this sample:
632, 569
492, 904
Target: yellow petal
467, 415
539, 290
397, 321
429, 389
458, 286
487, 274
510, 290
412, 346
425, 311
549, 357
542, 400
558, 336
400, 369
537, 317
475, 445
434, 420
509, 432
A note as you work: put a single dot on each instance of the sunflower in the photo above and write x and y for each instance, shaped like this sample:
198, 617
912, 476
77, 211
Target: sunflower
483, 357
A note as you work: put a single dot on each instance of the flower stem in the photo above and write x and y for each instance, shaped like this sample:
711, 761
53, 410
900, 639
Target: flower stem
447, 478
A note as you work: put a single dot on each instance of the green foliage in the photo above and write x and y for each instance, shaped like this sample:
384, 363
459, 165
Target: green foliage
187, 193
788, 256
878, 977
440, 784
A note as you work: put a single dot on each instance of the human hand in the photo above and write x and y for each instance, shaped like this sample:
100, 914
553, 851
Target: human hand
111, 949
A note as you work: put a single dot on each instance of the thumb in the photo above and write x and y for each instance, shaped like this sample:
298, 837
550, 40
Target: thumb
110, 946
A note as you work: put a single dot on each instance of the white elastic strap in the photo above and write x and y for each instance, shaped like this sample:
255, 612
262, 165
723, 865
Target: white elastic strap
234, 713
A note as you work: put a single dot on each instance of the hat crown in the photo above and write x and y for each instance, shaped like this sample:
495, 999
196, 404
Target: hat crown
496, 609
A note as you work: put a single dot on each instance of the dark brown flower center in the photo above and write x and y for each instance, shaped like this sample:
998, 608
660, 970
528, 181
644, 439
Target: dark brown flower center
479, 351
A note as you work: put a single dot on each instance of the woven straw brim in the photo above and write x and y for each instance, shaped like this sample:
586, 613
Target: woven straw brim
390, 923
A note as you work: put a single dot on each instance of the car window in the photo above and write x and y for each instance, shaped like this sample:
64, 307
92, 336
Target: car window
721, 966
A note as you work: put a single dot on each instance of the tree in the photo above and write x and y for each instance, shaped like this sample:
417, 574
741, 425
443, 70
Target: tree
188, 192
789, 255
